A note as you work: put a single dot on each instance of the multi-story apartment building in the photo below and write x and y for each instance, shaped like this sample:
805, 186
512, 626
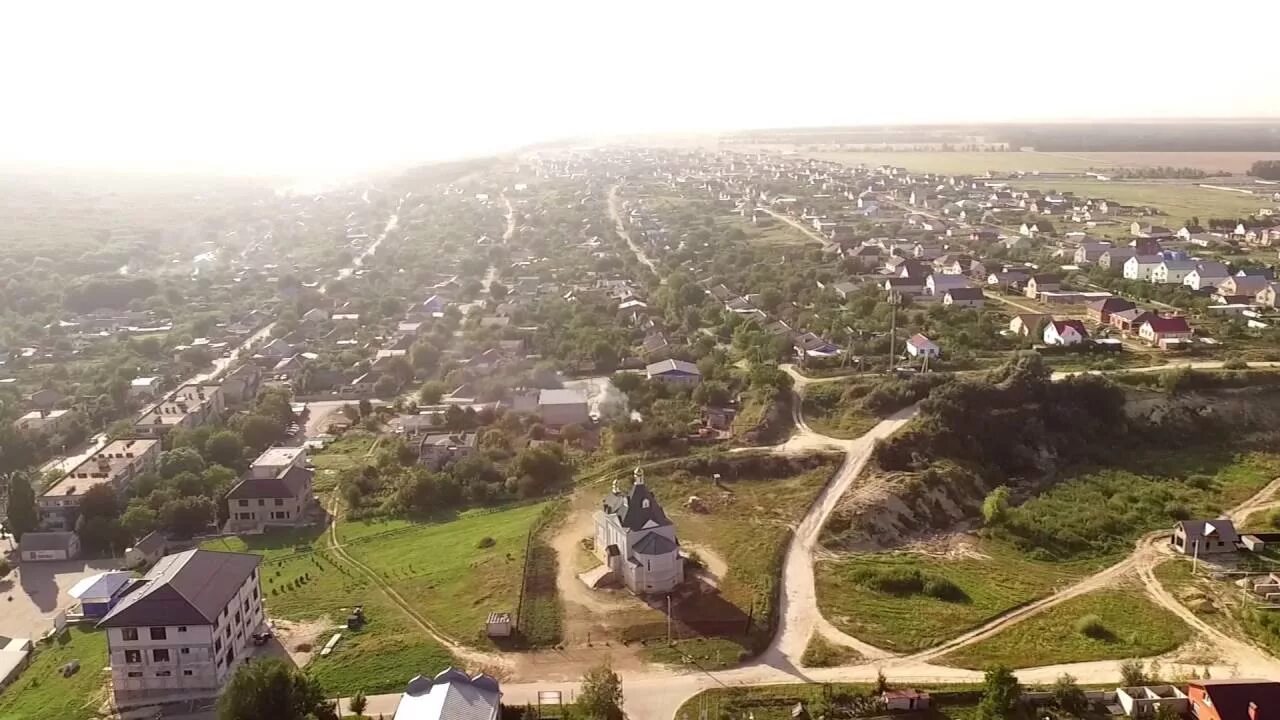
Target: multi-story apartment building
275, 491
187, 407
116, 464
186, 627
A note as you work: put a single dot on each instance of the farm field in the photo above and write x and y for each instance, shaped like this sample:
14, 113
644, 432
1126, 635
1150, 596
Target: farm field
962, 163
990, 579
41, 691
304, 583
478, 557
1180, 200
1103, 625
1233, 162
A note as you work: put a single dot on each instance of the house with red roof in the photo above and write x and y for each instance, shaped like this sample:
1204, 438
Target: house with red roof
1160, 331
1065, 332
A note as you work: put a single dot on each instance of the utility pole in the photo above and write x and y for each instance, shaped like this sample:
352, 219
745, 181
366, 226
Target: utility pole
893, 326
668, 618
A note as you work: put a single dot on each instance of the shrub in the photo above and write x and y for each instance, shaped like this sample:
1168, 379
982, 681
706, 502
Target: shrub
486, 542
904, 582
945, 590
1235, 363
1092, 626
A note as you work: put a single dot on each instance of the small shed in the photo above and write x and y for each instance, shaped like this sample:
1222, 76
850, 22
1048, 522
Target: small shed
48, 546
905, 700
99, 593
498, 625
146, 551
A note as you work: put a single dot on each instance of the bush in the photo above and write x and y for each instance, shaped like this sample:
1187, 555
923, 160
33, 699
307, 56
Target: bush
903, 582
1092, 626
486, 542
5, 568
945, 590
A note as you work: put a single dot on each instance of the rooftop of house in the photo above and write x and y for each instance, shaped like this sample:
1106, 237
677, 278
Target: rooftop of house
180, 403
188, 588
676, 366
636, 509
450, 695
104, 466
1168, 324
561, 396
45, 541
288, 482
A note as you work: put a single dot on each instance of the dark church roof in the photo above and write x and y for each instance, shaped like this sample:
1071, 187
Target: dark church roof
637, 508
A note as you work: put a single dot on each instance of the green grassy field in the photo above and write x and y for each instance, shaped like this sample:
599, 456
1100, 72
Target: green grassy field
821, 652
965, 163
41, 692
453, 573
1125, 624
347, 452
1180, 200
831, 408
994, 580
303, 581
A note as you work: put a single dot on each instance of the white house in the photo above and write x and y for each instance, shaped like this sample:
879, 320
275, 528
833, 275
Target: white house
919, 346
558, 408
637, 541
1206, 276
275, 492
1172, 272
451, 695
1064, 332
187, 627
48, 546
938, 284
1140, 267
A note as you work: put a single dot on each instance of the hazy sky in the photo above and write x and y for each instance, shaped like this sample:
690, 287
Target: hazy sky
314, 87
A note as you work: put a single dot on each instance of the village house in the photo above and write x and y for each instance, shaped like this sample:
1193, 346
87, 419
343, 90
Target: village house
1141, 267
450, 695
674, 372
558, 408
919, 346
1233, 699
1028, 324
437, 450
144, 389
1147, 230
1042, 282
1089, 252
190, 406
1065, 332
1206, 276
51, 546
44, 422
964, 297
1204, 537
637, 541
276, 491
938, 284
1129, 321
1160, 331
1100, 311
1240, 286
1114, 258
185, 628
116, 465
1269, 295
1172, 272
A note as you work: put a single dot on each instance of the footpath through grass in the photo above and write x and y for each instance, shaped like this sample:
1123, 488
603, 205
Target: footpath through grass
877, 598
454, 573
1111, 624
775, 702
41, 692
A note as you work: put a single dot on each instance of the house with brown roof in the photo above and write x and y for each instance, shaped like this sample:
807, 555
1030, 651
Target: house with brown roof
1100, 311
1065, 332
1129, 320
1234, 699
1028, 324
277, 490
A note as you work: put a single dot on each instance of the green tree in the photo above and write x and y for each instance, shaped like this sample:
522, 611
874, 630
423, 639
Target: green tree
1000, 694
431, 392
260, 431
99, 501
272, 689
186, 516
1133, 673
358, 703
224, 448
601, 694
1068, 696
22, 515
995, 508
138, 519
180, 460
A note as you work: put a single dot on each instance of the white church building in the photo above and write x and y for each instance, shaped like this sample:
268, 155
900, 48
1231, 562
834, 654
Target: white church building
637, 541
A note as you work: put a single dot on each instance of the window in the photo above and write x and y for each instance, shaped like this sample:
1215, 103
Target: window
133, 657
163, 673
160, 655
279, 502
182, 628
135, 674
188, 673
158, 633
129, 634
185, 651
261, 502
243, 503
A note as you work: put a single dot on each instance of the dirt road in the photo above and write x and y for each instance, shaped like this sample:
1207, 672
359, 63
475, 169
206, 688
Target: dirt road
615, 212
810, 232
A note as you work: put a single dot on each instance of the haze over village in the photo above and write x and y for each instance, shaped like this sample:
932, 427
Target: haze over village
590, 363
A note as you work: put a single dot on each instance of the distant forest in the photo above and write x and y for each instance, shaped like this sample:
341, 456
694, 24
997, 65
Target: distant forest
1190, 136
